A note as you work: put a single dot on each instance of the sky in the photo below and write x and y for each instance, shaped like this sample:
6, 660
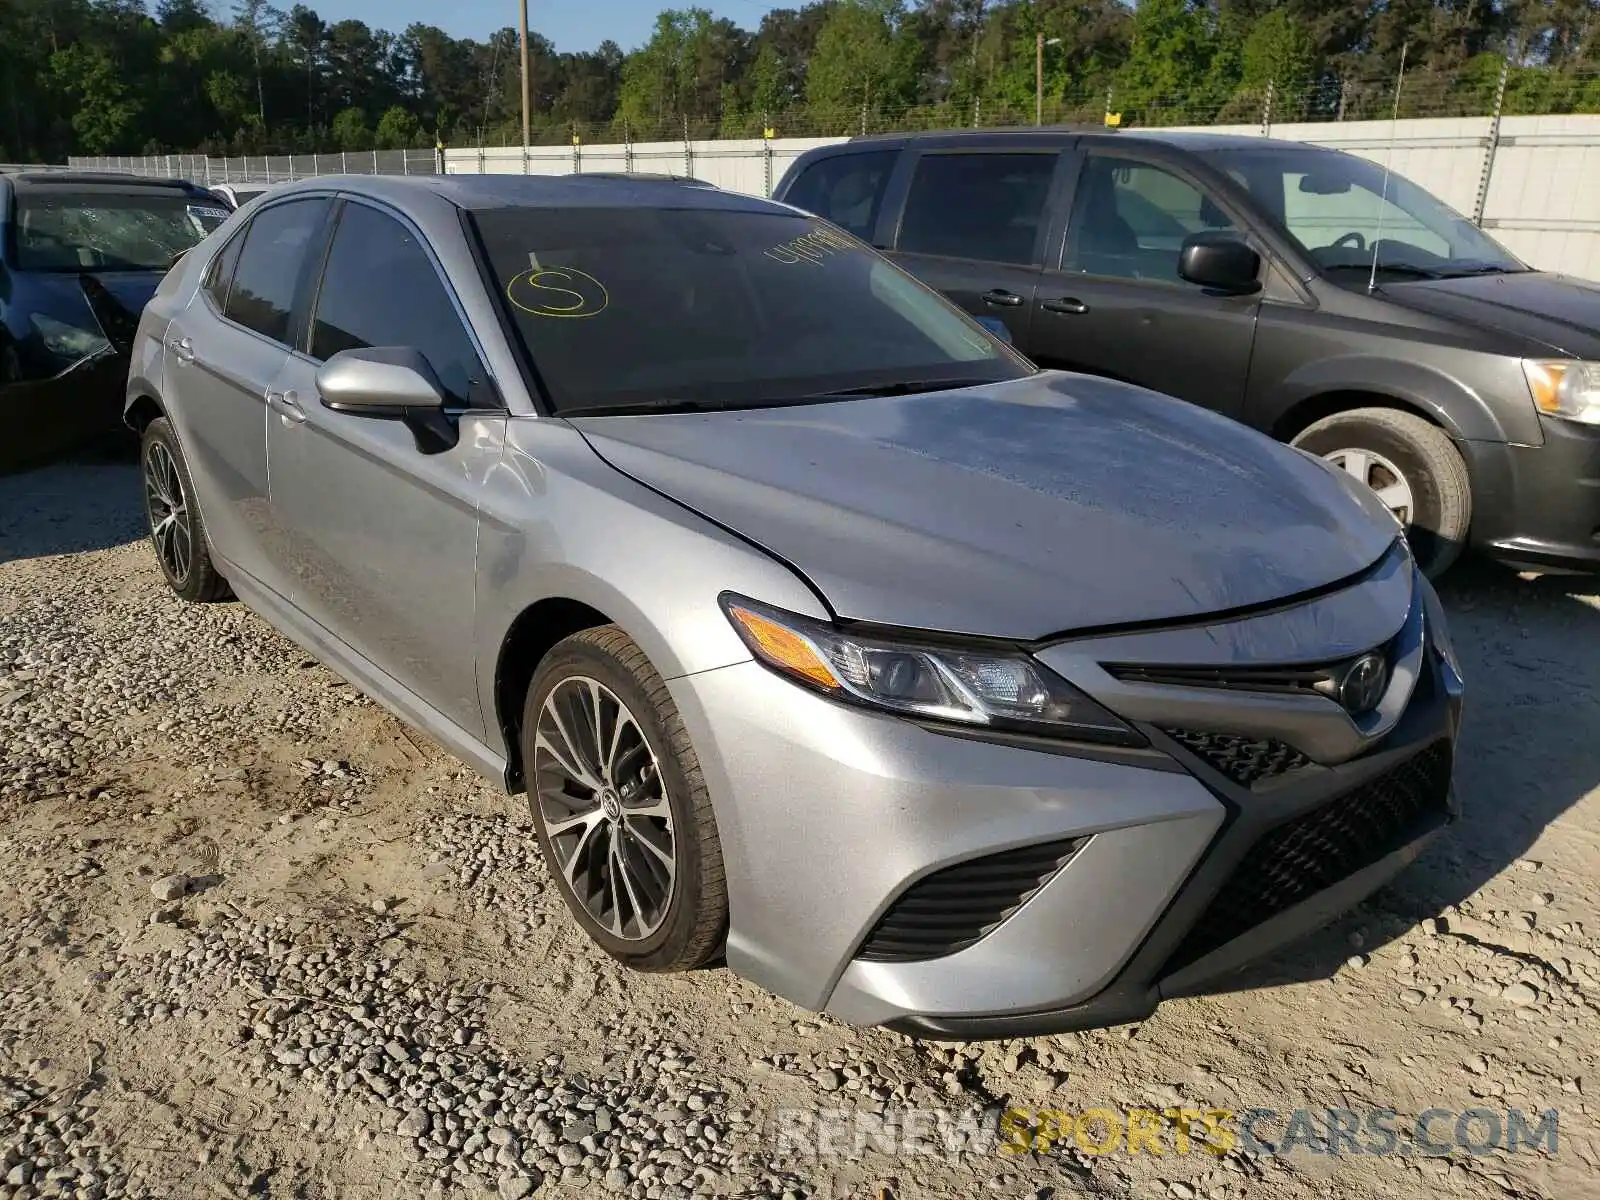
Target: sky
571, 24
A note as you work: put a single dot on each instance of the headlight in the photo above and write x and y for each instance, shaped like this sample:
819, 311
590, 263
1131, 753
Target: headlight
995, 689
1565, 387
68, 341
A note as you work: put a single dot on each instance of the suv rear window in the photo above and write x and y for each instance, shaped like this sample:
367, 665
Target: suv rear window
57, 229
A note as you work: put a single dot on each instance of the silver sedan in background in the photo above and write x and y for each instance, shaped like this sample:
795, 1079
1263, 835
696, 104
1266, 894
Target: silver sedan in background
822, 630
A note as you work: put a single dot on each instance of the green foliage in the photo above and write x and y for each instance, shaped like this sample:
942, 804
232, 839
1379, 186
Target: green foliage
244, 76
398, 130
350, 131
103, 113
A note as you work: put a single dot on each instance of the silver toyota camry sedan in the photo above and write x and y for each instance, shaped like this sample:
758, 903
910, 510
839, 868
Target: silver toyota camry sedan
823, 632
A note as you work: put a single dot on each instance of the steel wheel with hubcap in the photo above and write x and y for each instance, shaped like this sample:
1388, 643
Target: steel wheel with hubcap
1379, 474
1413, 468
619, 804
177, 533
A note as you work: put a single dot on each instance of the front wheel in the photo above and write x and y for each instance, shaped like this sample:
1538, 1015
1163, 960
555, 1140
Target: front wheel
1412, 466
621, 810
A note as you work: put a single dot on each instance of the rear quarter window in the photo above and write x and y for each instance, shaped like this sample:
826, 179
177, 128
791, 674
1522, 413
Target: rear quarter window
846, 189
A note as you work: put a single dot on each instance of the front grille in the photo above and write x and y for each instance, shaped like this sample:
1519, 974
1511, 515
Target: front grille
1308, 680
1246, 761
951, 909
1315, 851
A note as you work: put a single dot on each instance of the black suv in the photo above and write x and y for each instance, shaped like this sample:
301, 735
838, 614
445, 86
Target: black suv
1304, 291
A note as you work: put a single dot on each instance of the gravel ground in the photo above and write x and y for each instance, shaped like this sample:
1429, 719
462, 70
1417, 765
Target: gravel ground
259, 939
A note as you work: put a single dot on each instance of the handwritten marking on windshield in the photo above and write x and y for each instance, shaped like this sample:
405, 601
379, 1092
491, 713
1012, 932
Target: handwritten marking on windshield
814, 248
558, 292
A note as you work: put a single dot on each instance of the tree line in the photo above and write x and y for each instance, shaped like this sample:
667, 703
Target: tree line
120, 77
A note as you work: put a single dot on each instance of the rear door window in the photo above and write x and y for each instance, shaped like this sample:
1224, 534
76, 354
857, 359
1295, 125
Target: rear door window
272, 264
846, 189
983, 206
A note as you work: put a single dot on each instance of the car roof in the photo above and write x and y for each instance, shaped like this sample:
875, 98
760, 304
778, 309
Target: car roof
1199, 141
32, 179
482, 193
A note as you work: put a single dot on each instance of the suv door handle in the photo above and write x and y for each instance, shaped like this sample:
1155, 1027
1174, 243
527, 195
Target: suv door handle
286, 405
1001, 298
182, 349
1067, 304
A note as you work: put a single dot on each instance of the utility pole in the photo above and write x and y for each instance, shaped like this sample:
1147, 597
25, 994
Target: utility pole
1040, 42
1038, 79
523, 29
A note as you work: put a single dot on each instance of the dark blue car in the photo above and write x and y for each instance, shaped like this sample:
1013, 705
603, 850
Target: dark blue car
80, 256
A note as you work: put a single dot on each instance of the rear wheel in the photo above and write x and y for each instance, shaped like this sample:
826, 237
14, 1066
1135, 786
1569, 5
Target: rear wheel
620, 807
1412, 466
176, 531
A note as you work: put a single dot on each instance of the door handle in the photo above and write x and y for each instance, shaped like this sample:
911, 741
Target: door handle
1001, 298
286, 405
182, 349
1067, 304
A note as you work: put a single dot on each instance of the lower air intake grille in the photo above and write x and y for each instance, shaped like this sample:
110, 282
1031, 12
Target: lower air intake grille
1244, 760
951, 909
1298, 859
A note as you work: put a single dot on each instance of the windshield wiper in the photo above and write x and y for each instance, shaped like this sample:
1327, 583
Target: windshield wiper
1398, 268
907, 387
664, 405
1481, 269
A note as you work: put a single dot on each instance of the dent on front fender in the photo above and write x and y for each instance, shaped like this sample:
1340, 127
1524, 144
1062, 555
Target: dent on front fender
556, 521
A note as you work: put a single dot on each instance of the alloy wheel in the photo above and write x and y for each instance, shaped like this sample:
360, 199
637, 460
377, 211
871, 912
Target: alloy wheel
604, 808
1381, 475
171, 528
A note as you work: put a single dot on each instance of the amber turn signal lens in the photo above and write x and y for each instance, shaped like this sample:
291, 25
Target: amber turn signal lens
783, 648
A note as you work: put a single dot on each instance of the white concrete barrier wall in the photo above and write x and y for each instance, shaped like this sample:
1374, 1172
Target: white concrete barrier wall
1543, 201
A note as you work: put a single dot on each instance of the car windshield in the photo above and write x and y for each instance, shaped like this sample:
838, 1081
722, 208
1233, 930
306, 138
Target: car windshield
62, 230
1344, 214
635, 308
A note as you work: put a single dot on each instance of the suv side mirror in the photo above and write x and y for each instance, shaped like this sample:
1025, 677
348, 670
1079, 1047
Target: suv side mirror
389, 382
1221, 262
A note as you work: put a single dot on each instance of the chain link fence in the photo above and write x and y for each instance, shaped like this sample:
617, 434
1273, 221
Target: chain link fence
267, 168
1487, 87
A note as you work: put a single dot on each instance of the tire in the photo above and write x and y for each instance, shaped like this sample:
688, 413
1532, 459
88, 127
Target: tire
641, 923
1428, 465
165, 479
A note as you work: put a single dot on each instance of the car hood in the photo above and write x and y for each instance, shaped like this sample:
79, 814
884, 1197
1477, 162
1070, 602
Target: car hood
111, 300
1017, 510
1558, 312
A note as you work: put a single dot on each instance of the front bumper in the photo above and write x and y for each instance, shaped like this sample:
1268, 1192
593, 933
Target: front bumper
848, 836
1539, 506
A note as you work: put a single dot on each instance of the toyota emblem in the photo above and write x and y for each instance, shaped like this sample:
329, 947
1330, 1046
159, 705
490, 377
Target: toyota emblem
1364, 684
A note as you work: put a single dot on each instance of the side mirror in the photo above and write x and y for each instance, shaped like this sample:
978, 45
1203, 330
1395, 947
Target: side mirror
997, 327
1220, 262
389, 383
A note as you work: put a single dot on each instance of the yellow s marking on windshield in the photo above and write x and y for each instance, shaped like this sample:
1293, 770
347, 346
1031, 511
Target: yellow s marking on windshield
558, 292
812, 248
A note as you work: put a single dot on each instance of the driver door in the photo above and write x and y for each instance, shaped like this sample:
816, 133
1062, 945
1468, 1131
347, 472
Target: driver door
1114, 304
381, 538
